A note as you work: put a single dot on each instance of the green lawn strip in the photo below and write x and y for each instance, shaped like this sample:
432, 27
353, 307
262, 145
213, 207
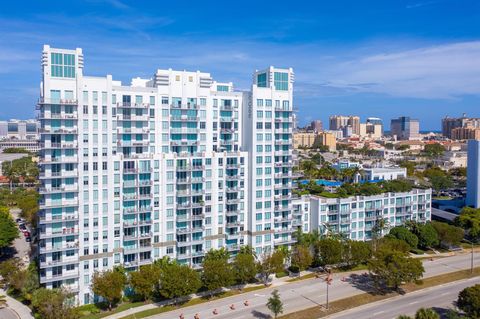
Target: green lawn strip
365, 298
191, 302
93, 312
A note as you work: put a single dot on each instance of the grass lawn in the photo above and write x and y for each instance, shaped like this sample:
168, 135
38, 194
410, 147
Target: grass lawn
93, 312
364, 298
191, 302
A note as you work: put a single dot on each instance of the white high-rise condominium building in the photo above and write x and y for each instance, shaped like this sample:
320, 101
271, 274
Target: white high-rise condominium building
169, 166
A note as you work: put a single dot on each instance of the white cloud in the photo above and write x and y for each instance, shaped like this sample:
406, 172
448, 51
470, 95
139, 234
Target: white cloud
442, 71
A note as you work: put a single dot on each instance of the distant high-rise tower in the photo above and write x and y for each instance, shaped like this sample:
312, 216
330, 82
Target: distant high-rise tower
405, 128
473, 174
339, 122
316, 126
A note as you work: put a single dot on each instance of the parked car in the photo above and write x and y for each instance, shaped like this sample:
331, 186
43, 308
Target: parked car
22, 227
28, 239
26, 234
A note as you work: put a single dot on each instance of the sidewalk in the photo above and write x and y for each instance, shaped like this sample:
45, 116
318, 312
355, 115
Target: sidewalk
22, 311
276, 282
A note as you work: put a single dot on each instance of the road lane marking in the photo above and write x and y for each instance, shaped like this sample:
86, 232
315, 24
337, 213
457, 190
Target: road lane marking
378, 312
413, 302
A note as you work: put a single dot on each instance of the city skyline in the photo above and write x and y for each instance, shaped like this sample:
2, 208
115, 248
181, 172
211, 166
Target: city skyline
343, 58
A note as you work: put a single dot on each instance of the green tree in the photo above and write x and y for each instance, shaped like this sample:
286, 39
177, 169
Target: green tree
8, 229
391, 268
356, 252
275, 304
12, 274
217, 271
392, 243
427, 235
244, 265
301, 257
448, 235
410, 166
469, 301
404, 317
434, 150
109, 285
178, 281
330, 251
469, 219
31, 283
271, 263
53, 304
145, 280
426, 313
402, 233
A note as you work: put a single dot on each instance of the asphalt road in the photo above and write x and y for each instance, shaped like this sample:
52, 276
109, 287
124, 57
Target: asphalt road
303, 294
440, 298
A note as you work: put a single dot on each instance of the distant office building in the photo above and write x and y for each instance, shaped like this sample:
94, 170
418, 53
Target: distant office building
19, 129
328, 139
372, 128
303, 139
405, 128
465, 133
316, 126
473, 174
347, 131
449, 124
338, 134
338, 122
30, 145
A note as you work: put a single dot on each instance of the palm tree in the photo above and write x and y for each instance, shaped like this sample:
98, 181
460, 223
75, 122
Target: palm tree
377, 230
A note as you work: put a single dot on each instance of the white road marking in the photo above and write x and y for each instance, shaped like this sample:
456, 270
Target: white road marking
259, 295
413, 302
377, 313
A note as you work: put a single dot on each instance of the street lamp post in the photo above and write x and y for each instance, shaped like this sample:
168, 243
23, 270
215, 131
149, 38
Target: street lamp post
328, 281
471, 257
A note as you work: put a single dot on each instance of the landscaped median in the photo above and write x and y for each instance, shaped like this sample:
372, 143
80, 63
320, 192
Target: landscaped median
191, 302
365, 298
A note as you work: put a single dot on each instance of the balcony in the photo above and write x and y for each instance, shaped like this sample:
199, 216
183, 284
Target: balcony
63, 232
59, 159
64, 246
49, 174
48, 101
63, 276
184, 118
51, 204
234, 224
232, 213
57, 218
190, 230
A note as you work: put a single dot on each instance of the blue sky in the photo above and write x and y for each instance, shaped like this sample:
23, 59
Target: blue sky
372, 58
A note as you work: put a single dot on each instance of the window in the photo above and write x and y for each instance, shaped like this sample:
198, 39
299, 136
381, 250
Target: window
280, 80
63, 65
262, 80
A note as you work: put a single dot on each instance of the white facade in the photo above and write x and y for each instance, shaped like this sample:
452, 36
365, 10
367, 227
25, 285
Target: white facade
384, 173
167, 166
19, 129
355, 216
268, 128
